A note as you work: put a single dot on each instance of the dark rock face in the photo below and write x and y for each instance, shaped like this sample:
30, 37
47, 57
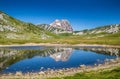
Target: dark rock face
64, 25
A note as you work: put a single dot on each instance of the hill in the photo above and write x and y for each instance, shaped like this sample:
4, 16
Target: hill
108, 29
13, 29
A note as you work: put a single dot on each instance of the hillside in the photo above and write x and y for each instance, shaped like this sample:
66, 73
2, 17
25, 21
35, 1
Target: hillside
11, 28
49, 28
108, 29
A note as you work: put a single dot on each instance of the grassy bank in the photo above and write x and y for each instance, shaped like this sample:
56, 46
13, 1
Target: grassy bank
101, 74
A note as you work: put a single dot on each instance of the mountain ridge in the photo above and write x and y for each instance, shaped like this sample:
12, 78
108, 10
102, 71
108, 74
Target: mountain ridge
110, 29
58, 26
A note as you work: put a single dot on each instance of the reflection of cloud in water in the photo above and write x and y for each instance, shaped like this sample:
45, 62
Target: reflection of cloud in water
62, 55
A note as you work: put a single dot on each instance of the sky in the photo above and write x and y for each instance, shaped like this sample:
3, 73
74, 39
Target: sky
82, 14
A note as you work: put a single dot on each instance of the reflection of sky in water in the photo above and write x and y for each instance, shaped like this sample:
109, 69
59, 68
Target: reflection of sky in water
66, 58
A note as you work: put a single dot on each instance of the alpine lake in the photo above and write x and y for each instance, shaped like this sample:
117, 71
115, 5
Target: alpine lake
41, 58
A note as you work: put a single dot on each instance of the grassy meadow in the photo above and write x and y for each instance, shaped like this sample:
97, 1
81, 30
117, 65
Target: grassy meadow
107, 39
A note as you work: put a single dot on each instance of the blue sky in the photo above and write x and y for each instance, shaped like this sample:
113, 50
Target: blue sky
82, 14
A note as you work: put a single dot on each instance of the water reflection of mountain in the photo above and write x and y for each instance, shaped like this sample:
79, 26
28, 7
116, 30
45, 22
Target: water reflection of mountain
62, 55
101, 50
10, 56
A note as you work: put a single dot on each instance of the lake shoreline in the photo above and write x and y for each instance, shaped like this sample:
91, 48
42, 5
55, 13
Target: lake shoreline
108, 65
51, 44
50, 73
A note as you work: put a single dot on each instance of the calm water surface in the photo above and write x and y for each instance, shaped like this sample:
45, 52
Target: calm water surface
37, 58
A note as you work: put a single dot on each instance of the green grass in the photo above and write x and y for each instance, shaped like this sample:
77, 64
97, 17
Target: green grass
101, 74
108, 39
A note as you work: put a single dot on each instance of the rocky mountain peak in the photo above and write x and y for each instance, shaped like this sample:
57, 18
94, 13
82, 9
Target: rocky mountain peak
62, 24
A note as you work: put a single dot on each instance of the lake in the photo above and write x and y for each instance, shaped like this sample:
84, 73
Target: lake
39, 58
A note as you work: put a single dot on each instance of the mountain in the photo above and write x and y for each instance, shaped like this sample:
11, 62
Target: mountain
63, 25
11, 28
9, 56
60, 31
49, 28
109, 29
58, 26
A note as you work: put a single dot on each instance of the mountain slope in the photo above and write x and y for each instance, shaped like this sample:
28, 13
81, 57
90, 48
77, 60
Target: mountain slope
109, 29
11, 28
49, 28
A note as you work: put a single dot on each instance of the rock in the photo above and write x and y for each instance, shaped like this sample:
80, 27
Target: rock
63, 25
18, 73
83, 66
1, 16
41, 73
41, 68
99, 65
60, 72
79, 33
8, 28
112, 60
10, 74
